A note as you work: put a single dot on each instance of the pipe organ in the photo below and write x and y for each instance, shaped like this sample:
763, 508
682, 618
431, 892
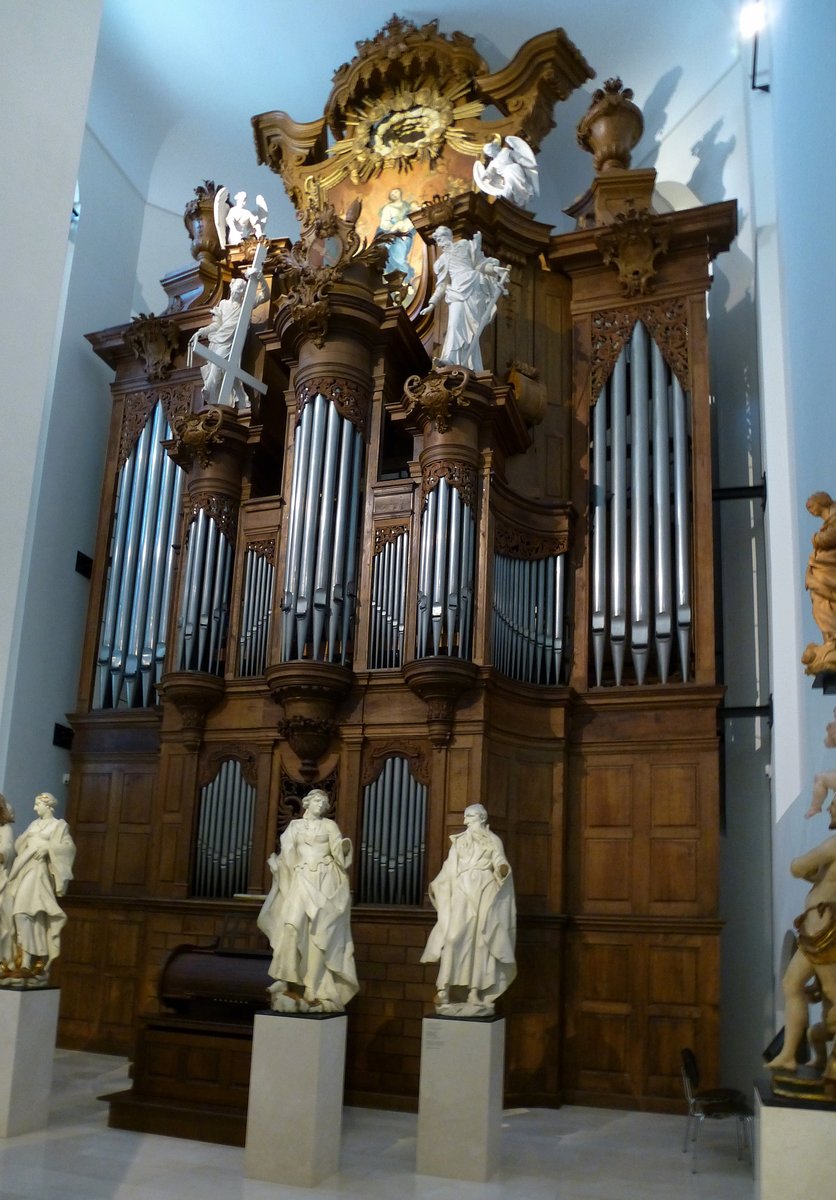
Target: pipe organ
420, 587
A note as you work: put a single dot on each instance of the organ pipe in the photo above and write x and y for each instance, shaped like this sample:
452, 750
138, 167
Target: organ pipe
393, 830
528, 615
445, 574
224, 834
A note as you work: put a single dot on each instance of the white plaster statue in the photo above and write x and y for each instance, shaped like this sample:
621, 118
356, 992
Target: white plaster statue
814, 961
240, 223
7, 853
31, 919
220, 336
306, 916
511, 171
471, 285
473, 938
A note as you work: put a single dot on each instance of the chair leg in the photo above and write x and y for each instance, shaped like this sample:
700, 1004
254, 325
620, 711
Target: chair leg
687, 1132
700, 1118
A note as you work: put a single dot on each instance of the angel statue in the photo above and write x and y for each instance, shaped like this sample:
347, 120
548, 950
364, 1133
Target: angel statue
511, 171
240, 223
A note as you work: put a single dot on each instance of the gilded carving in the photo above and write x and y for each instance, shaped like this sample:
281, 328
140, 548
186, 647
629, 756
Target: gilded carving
138, 406
632, 243
384, 535
222, 509
437, 393
528, 545
153, 340
350, 398
417, 757
667, 324
458, 474
194, 435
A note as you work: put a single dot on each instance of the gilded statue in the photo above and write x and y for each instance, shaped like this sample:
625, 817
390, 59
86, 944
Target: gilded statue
821, 584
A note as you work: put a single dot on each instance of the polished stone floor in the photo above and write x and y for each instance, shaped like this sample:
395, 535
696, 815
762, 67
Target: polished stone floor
566, 1154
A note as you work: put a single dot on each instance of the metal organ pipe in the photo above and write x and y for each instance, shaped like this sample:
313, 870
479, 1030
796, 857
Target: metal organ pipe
138, 591
319, 591
225, 831
640, 501
393, 831
682, 526
598, 506
661, 514
528, 613
618, 560
445, 574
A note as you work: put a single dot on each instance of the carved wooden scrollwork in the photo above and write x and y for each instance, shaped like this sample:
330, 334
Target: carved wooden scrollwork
531, 546
351, 399
213, 757
153, 340
437, 392
222, 509
460, 475
385, 534
415, 754
667, 324
632, 243
265, 548
138, 406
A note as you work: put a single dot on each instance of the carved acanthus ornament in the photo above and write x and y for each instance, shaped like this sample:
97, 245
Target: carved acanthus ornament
437, 392
194, 435
222, 510
153, 340
667, 324
138, 406
528, 545
327, 246
376, 757
351, 399
385, 535
632, 243
460, 475
266, 549
213, 757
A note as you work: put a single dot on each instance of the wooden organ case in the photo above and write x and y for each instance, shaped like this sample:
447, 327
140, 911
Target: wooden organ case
419, 588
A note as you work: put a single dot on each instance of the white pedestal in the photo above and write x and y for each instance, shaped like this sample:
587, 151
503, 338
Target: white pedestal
793, 1148
460, 1098
28, 1020
295, 1108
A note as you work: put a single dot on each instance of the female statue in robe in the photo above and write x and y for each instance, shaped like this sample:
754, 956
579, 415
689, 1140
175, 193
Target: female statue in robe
306, 916
471, 285
32, 920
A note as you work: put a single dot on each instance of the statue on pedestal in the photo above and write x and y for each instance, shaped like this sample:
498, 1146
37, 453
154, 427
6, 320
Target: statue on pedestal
31, 919
238, 224
814, 962
470, 283
821, 584
306, 916
473, 938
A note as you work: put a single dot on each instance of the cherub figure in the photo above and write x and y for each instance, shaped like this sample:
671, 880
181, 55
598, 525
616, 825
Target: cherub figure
239, 224
511, 171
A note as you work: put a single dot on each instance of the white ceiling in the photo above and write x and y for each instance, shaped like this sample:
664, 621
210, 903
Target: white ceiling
177, 81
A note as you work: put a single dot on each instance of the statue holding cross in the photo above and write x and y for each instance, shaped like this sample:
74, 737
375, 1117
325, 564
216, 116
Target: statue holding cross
223, 378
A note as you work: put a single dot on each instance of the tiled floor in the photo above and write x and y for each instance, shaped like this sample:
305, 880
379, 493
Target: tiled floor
565, 1154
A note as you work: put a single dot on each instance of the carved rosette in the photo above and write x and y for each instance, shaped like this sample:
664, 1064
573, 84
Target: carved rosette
153, 340
611, 126
437, 394
460, 475
223, 510
195, 435
193, 694
384, 535
527, 545
138, 406
309, 693
631, 244
440, 681
376, 756
351, 398
667, 324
